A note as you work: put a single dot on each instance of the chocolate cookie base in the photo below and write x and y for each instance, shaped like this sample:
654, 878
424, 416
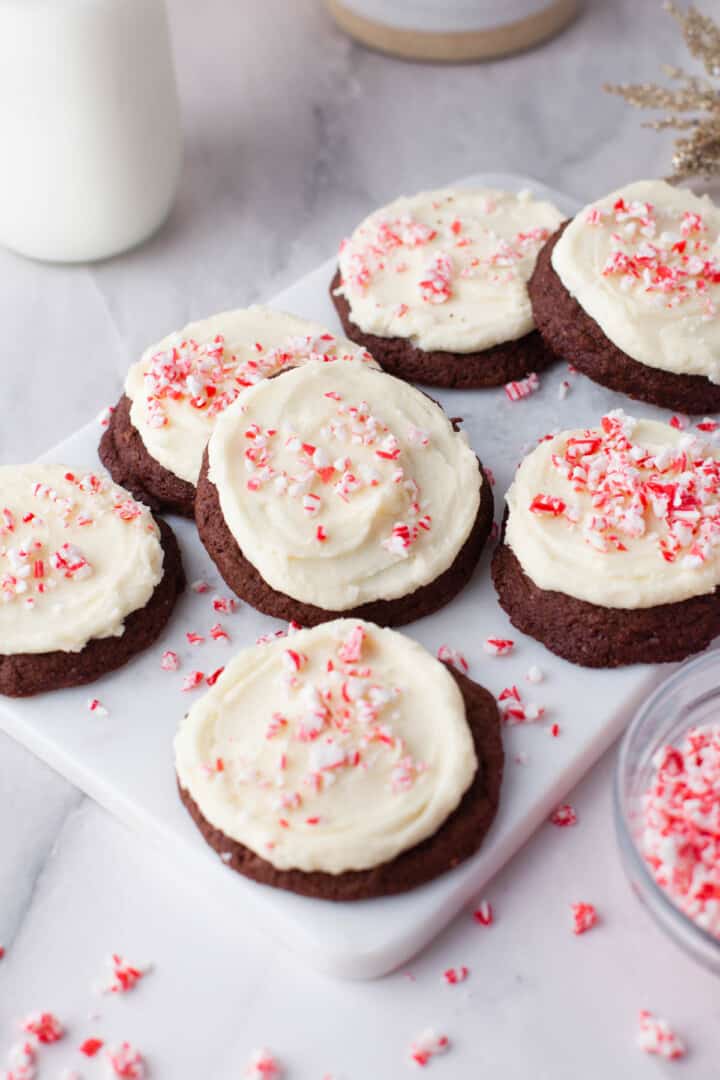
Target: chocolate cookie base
600, 637
23, 674
575, 337
464, 371
247, 583
124, 455
455, 841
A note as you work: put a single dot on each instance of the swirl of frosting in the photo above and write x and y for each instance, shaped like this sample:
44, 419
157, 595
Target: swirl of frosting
447, 269
77, 555
626, 515
342, 484
644, 263
335, 749
181, 385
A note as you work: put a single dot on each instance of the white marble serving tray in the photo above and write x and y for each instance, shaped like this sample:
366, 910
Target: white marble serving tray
125, 760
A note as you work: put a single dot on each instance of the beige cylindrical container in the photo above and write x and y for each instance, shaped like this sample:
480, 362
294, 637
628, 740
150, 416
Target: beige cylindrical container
89, 126
452, 30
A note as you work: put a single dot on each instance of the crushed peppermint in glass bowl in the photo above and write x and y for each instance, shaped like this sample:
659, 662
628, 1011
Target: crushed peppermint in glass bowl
667, 807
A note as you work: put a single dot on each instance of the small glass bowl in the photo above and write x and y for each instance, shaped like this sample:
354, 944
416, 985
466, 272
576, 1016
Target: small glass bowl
690, 697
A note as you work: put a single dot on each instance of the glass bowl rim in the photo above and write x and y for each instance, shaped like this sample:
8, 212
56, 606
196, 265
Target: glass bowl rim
671, 911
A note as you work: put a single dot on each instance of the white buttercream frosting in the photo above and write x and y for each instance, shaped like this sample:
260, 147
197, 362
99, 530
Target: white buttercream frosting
342, 484
624, 516
181, 384
335, 749
644, 263
77, 555
447, 269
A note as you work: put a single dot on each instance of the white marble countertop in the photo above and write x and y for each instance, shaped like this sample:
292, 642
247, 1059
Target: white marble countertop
292, 134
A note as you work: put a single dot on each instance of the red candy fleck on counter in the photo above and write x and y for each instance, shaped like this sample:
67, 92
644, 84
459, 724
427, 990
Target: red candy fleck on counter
427, 1046
484, 914
45, 1026
126, 1062
563, 816
655, 1036
585, 917
263, 1066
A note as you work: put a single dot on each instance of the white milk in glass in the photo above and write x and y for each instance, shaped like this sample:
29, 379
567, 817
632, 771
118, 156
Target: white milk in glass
89, 126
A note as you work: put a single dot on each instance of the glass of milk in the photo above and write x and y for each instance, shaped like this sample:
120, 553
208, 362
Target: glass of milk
89, 126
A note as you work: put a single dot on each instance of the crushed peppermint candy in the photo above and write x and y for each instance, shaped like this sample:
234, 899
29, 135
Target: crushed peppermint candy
360, 453
123, 976
96, 706
427, 1046
169, 661
585, 917
208, 377
200, 586
224, 605
453, 976
45, 1026
534, 674
90, 1047
670, 496
263, 1065
484, 914
106, 415
513, 710
563, 816
126, 1062
671, 264
498, 646
31, 567
21, 1061
680, 836
192, 680
655, 1036
454, 658
193, 638
522, 388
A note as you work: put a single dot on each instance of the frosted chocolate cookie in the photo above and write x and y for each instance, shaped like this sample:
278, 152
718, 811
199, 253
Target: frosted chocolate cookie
436, 286
87, 577
343, 762
611, 547
155, 440
338, 489
628, 292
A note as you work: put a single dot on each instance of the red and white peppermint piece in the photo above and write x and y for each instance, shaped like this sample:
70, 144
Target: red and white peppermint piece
563, 816
427, 1046
21, 1061
194, 638
192, 680
453, 976
455, 659
522, 388
214, 676
45, 1026
91, 1047
655, 1036
350, 650
169, 661
200, 586
219, 633
585, 917
263, 1065
123, 976
224, 605
494, 646
484, 914
535, 674
96, 706
126, 1062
